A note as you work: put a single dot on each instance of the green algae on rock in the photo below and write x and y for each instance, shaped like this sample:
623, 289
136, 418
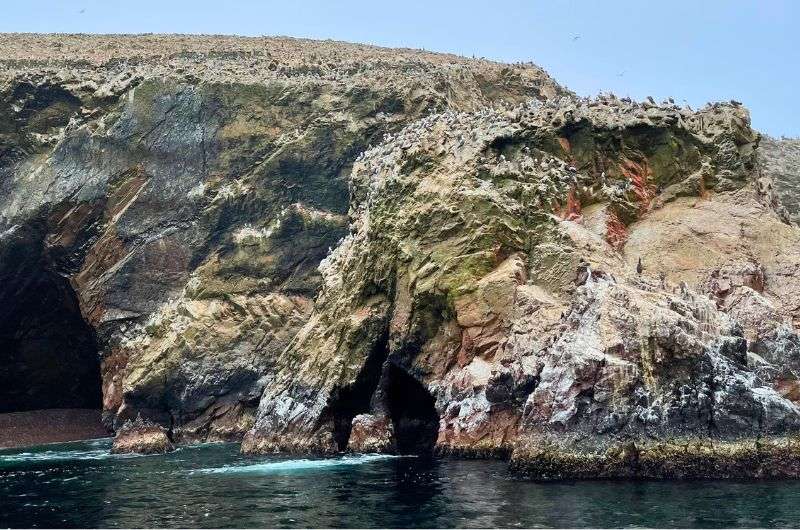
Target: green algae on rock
488, 259
324, 247
699, 458
184, 190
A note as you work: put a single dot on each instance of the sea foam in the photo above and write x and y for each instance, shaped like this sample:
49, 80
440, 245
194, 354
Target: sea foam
304, 464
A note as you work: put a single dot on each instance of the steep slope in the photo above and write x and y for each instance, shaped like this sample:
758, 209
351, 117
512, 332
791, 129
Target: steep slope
781, 160
336, 247
599, 287
165, 202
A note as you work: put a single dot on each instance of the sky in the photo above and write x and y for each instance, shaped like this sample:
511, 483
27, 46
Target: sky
692, 50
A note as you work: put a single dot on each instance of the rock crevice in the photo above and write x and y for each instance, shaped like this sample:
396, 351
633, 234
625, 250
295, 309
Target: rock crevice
323, 247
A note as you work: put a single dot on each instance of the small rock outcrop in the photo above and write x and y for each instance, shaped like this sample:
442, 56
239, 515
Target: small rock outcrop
143, 437
371, 434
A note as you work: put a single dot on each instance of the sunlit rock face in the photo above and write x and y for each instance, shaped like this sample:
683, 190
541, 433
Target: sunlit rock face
323, 247
165, 203
779, 161
566, 280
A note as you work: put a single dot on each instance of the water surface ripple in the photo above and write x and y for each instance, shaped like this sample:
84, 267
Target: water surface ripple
82, 485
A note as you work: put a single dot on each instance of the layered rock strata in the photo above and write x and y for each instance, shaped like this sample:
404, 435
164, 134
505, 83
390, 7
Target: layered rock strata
334, 247
165, 202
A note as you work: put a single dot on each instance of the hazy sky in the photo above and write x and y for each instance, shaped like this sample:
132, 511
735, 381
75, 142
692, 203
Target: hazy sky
697, 50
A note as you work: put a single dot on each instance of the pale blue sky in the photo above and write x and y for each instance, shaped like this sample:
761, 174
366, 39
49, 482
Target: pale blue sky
697, 50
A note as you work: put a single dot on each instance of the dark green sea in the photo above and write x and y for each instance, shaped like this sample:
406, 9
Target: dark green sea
82, 485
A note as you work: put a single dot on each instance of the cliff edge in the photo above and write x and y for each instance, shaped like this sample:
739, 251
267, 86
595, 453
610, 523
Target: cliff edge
321, 247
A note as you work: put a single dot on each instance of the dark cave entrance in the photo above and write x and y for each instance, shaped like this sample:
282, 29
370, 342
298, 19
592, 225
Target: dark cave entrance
413, 412
356, 399
48, 353
384, 386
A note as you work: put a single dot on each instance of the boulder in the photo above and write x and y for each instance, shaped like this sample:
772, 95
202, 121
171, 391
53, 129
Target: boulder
371, 434
143, 437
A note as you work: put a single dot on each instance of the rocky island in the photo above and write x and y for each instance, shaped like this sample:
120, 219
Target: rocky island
321, 247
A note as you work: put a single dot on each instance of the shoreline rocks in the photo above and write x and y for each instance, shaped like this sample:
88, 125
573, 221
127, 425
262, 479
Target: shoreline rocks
321, 247
766, 458
371, 434
142, 437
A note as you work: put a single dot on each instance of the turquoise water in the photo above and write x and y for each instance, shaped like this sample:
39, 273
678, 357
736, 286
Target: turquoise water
212, 485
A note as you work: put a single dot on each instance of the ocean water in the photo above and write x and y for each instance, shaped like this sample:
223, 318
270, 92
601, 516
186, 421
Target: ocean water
82, 485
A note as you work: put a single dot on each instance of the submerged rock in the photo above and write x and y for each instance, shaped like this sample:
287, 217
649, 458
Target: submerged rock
690, 458
141, 436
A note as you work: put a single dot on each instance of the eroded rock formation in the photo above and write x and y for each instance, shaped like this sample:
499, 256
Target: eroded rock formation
781, 158
333, 247
143, 437
165, 203
493, 257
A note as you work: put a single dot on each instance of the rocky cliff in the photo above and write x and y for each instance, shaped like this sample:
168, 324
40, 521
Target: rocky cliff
780, 160
165, 203
326, 247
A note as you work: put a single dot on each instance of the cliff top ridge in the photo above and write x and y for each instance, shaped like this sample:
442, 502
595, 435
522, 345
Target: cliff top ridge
218, 58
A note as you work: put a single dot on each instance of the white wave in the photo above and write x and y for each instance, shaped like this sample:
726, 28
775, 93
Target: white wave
46, 456
304, 464
49, 456
100, 442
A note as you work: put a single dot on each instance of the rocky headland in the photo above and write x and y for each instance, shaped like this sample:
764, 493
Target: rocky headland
322, 247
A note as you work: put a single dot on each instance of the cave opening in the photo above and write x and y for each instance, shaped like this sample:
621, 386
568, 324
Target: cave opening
48, 352
412, 410
355, 399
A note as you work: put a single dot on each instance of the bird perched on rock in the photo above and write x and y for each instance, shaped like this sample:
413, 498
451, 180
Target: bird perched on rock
583, 273
639, 267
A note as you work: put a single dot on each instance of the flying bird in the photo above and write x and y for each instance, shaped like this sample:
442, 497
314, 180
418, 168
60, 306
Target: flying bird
576, 37
82, 11
621, 73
